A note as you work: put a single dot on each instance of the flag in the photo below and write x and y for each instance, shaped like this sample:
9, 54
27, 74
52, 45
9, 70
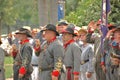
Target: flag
60, 12
104, 19
104, 16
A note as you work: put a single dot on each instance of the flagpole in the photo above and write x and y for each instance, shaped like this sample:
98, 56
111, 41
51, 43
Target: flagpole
104, 28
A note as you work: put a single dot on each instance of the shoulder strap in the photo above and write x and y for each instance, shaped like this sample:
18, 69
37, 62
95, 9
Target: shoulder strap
86, 48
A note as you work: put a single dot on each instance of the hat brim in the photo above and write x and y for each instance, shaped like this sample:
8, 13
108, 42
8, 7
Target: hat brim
57, 34
65, 31
28, 35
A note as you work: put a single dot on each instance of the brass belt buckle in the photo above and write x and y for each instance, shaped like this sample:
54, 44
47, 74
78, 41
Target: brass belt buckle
40, 69
82, 62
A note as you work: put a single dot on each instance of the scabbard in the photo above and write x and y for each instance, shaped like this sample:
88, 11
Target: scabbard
69, 74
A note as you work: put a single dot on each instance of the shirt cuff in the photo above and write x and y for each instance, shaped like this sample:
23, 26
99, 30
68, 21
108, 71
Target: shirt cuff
55, 73
76, 73
22, 70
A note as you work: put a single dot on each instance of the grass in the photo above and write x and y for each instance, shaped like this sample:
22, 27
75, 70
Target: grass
8, 67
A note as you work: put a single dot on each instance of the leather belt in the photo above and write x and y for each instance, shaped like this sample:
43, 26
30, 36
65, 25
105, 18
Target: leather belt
84, 61
35, 65
45, 69
68, 67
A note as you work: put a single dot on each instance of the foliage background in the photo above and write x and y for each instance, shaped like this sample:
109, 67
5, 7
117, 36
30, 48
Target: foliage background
16, 13
81, 12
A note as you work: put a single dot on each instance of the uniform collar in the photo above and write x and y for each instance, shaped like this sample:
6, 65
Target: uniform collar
69, 42
52, 40
24, 41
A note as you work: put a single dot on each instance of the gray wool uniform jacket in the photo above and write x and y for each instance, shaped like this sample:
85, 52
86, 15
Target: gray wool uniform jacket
112, 71
52, 54
50, 58
24, 59
72, 56
2, 76
87, 54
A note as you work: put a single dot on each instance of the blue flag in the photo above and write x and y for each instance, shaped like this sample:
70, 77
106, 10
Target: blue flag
104, 16
60, 12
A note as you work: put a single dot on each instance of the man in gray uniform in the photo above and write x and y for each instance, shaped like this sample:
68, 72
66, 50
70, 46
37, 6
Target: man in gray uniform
100, 75
60, 27
71, 55
112, 55
2, 76
23, 68
51, 56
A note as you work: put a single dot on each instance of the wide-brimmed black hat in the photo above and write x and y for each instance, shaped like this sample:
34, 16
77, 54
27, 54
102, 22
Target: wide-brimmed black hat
69, 30
24, 31
51, 27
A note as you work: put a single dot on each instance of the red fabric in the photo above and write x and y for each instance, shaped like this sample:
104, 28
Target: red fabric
37, 49
69, 74
22, 70
76, 73
14, 53
24, 41
52, 40
102, 63
69, 42
55, 73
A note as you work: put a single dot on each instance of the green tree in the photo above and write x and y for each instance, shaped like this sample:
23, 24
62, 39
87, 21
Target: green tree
12, 11
114, 16
81, 12
86, 10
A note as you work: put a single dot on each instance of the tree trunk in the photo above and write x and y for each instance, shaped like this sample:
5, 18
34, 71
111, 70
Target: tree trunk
53, 11
0, 26
47, 12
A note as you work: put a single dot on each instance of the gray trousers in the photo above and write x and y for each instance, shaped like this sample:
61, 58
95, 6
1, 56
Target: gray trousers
45, 75
34, 74
15, 72
100, 75
65, 74
83, 76
108, 73
2, 75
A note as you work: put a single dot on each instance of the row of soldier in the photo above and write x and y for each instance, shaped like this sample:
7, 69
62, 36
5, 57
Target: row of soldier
64, 52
